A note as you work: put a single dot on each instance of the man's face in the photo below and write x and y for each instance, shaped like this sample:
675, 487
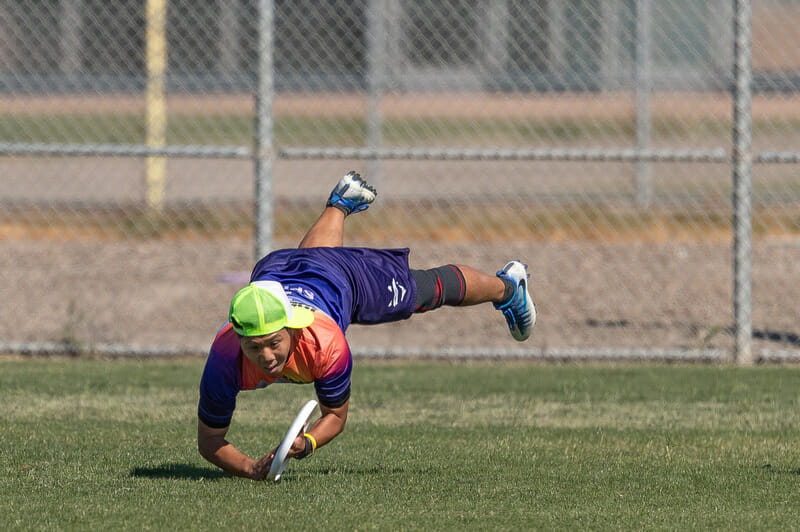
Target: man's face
270, 352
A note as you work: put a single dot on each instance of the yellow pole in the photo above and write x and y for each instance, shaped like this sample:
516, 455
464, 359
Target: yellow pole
155, 102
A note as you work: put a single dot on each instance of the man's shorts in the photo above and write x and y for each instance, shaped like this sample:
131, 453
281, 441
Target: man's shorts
351, 285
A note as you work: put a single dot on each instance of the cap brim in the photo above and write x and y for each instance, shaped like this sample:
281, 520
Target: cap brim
301, 317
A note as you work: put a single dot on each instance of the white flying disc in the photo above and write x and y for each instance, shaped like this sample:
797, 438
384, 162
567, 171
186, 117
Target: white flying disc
282, 454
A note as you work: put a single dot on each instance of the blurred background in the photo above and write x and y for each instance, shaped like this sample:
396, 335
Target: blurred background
152, 150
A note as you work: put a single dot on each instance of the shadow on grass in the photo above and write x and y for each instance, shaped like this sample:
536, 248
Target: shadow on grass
781, 471
781, 337
778, 336
179, 471
193, 472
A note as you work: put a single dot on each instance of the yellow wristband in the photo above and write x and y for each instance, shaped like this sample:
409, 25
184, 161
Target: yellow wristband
312, 440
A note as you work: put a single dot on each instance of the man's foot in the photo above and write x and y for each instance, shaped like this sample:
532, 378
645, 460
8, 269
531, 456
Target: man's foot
519, 310
352, 194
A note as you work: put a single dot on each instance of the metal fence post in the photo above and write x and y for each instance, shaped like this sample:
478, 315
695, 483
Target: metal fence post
376, 76
742, 183
643, 87
264, 131
70, 27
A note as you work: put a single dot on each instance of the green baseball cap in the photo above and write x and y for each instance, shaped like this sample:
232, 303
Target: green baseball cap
262, 308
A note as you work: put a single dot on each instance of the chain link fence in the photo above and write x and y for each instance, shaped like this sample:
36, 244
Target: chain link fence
151, 149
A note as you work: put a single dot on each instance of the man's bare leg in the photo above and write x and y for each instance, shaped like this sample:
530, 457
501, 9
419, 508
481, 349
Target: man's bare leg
327, 231
481, 287
460, 285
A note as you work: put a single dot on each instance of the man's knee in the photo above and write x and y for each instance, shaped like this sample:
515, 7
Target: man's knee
439, 286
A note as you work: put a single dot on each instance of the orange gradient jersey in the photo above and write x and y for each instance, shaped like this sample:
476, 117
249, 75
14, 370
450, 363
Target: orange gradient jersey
321, 356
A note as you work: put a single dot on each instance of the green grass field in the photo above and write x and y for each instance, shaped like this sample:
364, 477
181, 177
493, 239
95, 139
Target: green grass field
89, 444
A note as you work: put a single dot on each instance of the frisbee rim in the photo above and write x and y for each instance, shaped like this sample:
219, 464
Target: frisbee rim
281, 459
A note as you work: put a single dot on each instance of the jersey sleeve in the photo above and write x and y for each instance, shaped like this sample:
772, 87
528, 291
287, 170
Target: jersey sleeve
333, 386
219, 386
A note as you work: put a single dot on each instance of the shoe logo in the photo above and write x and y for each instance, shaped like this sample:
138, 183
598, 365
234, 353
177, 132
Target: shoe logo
398, 292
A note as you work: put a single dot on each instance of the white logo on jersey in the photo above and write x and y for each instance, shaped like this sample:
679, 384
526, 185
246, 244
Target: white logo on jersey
304, 292
398, 292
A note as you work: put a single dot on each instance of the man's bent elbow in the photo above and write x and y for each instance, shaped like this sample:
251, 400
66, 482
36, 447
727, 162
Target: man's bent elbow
209, 440
203, 449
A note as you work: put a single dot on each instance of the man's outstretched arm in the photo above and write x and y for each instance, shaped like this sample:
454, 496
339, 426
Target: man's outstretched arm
326, 428
216, 449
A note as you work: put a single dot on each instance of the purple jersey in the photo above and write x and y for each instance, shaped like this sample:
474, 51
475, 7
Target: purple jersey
351, 285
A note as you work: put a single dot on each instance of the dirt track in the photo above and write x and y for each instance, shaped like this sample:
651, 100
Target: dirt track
588, 295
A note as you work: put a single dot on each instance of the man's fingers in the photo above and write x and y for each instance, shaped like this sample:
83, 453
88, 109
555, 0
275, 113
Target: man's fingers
262, 466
